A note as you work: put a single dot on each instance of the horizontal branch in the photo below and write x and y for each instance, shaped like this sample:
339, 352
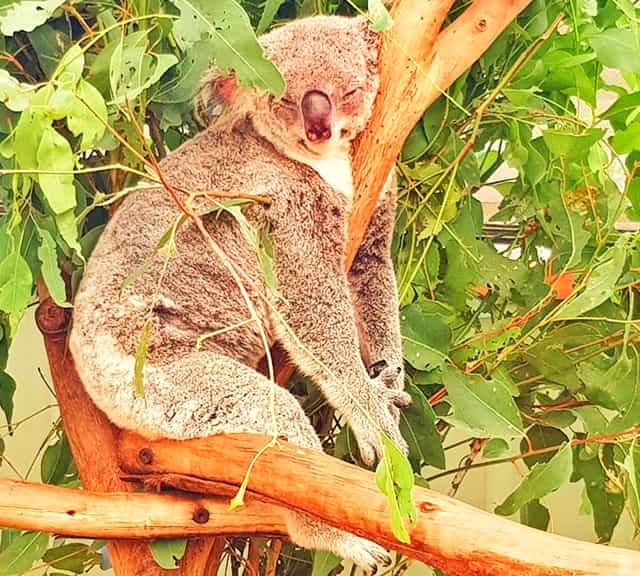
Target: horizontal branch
130, 515
450, 535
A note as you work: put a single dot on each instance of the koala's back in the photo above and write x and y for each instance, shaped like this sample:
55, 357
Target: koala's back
124, 285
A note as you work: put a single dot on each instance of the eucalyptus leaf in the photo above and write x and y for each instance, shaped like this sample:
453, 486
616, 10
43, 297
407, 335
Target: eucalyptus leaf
48, 255
22, 553
324, 563
55, 155
26, 15
16, 284
600, 284
168, 552
394, 478
141, 358
379, 16
541, 481
234, 43
418, 428
483, 407
7, 391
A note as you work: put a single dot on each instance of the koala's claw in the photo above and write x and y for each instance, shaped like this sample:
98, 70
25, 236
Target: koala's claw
399, 398
366, 554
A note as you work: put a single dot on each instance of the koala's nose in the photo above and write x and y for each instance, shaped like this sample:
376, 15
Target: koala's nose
317, 115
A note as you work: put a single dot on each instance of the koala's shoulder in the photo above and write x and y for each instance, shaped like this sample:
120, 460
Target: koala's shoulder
235, 160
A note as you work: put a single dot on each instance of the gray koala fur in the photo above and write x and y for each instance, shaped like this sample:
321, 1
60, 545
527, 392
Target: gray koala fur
342, 322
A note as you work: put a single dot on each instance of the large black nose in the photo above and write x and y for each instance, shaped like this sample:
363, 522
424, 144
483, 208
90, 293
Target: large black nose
317, 115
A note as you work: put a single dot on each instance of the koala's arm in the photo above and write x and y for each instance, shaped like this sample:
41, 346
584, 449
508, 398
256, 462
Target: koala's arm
322, 336
375, 295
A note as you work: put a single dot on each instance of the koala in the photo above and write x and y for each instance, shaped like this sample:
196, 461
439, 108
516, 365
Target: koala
341, 329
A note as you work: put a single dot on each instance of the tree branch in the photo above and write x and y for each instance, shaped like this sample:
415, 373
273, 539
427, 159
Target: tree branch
448, 534
128, 515
416, 68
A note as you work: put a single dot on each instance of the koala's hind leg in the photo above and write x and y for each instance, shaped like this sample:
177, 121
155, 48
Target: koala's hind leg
207, 393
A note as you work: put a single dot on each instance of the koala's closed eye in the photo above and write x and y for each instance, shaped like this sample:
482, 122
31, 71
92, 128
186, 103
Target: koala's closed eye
351, 93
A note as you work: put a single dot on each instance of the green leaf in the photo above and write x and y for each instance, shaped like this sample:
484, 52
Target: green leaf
495, 448
23, 551
395, 479
573, 146
379, 17
535, 515
483, 407
167, 553
629, 416
13, 94
426, 338
54, 153
76, 557
607, 501
626, 107
56, 462
324, 562
234, 43
609, 388
141, 358
631, 466
538, 438
418, 428
7, 390
189, 73
266, 257
626, 141
83, 118
70, 67
26, 15
543, 480
613, 47
48, 256
16, 285
600, 284
269, 11
68, 228
7, 535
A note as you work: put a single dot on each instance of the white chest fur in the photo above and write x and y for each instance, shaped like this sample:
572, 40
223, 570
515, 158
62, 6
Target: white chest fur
335, 171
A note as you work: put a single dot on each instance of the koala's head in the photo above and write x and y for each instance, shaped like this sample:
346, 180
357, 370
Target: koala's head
329, 64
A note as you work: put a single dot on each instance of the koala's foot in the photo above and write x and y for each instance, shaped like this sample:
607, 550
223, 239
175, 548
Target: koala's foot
310, 533
382, 405
364, 553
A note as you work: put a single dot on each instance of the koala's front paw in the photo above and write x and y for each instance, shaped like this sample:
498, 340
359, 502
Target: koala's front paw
390, 373
382, 408
364, 553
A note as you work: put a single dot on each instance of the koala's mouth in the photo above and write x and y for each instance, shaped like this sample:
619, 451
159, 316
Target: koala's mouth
328, 148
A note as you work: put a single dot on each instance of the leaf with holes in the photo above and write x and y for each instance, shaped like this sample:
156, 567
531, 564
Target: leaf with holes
234, 43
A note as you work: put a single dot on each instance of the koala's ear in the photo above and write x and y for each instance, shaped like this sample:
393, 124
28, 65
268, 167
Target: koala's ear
219, 94
372, 41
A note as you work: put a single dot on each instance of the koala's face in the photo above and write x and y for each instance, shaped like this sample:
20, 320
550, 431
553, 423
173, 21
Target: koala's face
329, 64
